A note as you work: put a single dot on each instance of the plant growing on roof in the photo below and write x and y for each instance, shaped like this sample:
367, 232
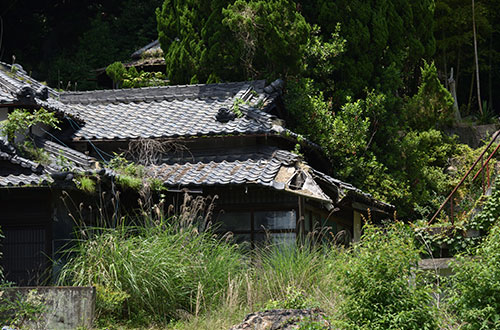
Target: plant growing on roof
236, 106
19, 124
132, 78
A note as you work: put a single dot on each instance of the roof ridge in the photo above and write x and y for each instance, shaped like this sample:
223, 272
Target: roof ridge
160, 92
21, 78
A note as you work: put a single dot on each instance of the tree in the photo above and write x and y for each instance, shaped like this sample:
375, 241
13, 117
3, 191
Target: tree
385, 42
272, 35
455, 44
192, 37
221, 41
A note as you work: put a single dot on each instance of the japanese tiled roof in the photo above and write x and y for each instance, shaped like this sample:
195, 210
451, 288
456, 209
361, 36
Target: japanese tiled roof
18, 89
234, 167
264, 166
149, 55
174, 111
151, 112
61, 164
21, 171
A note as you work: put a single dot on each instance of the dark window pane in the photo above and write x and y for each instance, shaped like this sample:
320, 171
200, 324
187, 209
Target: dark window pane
275, 239
275, 220
234, 221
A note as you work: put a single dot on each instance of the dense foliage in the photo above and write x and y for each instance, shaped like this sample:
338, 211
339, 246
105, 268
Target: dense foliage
173, 271
379, 285
357, 80
476, 283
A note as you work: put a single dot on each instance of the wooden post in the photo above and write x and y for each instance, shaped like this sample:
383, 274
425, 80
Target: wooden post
356, 226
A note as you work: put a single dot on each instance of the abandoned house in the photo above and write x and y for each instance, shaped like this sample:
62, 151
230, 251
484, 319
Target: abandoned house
220, 139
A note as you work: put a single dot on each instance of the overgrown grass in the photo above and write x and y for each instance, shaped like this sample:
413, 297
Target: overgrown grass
153, 272
174, 273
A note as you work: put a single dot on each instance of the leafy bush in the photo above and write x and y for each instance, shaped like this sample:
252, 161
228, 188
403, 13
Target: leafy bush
294, 299
16, 310
132, 78
475, 294
379, 284
490, 213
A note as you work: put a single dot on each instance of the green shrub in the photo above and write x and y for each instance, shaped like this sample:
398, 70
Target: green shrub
20, 121
19, 309
294, 299
378, 283
116, 71
475, 294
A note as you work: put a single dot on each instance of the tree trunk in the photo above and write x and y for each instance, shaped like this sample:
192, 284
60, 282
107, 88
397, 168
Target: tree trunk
477, 62
490, 69
470, 92
453, 91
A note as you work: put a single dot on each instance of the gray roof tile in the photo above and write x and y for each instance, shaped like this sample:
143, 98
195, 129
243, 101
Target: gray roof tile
23, 172
170, 111
26, 172
14, 180
245, 168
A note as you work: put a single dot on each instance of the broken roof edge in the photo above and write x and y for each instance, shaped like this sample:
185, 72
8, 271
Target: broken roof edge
347, 193
15, 78
274, 186
58, 173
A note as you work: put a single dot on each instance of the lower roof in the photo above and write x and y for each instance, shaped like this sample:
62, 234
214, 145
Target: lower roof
265, 166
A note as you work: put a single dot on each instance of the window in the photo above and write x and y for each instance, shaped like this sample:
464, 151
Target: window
275, 220
235, 221
275, 227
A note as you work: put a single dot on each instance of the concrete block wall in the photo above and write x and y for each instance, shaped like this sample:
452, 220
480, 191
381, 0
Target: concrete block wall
64, 307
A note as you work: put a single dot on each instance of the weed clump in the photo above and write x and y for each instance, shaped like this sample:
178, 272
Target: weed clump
475, 294
153, 271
